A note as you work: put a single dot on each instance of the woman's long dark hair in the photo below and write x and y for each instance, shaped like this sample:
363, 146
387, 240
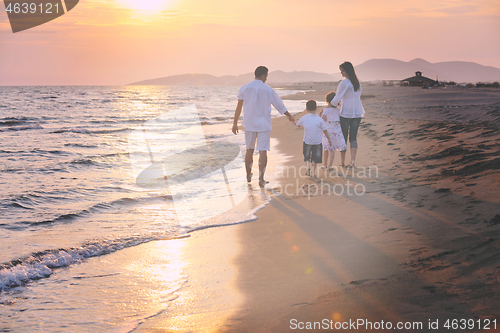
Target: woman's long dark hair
351, 75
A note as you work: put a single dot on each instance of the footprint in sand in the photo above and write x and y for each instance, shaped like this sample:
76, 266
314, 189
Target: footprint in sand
360, 282
419, 251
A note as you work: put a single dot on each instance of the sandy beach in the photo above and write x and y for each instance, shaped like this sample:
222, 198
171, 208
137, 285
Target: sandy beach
407, 241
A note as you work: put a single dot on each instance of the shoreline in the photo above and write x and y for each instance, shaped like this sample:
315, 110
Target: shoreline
420, 245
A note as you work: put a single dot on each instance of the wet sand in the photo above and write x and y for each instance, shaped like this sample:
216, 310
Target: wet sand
411, 235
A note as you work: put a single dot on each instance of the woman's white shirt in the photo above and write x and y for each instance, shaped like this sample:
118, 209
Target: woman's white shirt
350, 106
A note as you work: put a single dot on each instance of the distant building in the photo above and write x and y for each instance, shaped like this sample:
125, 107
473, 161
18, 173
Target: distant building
418, 81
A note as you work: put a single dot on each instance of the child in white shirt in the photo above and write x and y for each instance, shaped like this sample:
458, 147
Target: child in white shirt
312, 146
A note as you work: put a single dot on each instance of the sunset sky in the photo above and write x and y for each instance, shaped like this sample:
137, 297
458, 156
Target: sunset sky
103, 42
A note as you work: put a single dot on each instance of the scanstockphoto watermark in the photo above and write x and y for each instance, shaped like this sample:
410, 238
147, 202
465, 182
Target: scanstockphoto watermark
364, 325
328, 184
203, 176
358, 324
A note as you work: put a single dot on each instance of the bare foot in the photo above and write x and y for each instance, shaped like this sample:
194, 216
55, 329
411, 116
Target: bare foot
263, 182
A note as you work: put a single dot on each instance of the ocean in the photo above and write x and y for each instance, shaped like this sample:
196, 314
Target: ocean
89, 171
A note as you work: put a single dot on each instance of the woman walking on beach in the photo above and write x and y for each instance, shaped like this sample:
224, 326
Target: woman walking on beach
351, 109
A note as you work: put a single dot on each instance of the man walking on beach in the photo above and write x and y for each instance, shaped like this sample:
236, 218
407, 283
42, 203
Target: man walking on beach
256, 98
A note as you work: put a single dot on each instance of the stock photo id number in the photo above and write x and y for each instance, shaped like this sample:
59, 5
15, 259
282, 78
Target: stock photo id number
25, 15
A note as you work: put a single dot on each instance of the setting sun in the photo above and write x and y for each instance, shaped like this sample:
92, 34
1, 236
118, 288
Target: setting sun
148, 4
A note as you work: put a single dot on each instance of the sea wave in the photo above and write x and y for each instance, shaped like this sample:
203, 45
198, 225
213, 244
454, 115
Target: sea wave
32, 201
72, 130
21, 128
80, 145
126, 129
38, 265
87, 131
47, 151
99, 159
11, 121
41, 265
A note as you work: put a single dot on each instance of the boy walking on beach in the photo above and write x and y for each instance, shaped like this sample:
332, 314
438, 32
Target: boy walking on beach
312, 146
256, 98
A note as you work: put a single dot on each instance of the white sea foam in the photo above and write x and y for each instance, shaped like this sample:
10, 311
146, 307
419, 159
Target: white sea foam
41, 265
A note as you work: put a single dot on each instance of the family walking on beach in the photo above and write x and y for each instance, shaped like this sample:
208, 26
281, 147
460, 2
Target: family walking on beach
326, 132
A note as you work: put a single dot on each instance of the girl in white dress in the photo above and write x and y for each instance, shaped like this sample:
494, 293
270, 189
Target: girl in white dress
332, 118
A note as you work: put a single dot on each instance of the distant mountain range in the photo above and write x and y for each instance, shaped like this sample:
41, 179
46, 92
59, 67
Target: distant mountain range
275, 77
458, 71
371, 70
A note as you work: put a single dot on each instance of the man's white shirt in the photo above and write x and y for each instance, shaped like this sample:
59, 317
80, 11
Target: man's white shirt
257, 99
